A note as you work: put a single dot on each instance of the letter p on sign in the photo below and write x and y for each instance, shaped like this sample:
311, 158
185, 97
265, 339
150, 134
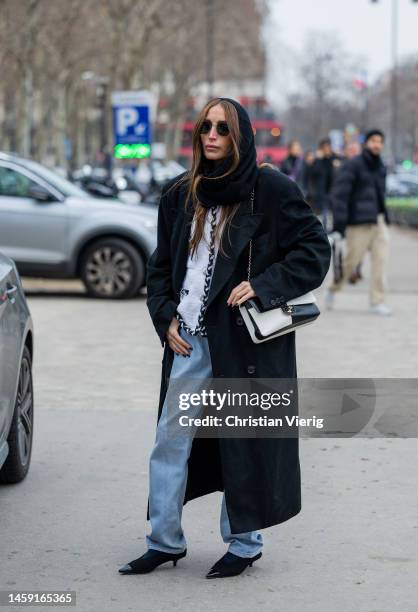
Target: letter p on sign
127, 117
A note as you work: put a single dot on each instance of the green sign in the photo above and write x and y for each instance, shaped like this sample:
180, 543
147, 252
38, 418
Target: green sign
132, 151
407, 164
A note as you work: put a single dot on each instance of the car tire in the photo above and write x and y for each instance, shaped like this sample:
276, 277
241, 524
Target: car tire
111, 268
20, 436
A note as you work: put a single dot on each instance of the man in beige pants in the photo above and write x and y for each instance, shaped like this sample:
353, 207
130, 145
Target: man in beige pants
359, 213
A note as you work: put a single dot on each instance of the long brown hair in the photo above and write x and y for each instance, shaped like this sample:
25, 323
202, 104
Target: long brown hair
194, 175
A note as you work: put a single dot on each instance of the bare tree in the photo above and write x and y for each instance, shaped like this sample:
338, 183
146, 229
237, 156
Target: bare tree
46, 47
324, 97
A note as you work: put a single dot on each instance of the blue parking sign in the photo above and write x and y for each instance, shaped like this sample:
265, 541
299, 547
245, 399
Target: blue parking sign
132, 123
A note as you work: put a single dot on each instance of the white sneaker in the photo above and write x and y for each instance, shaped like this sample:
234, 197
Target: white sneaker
380, 309
329, 299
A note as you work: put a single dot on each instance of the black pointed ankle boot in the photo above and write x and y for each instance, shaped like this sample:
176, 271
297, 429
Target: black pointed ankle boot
231, 565
150, 560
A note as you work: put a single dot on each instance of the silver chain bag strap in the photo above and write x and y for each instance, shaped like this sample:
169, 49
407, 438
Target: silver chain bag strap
265, 324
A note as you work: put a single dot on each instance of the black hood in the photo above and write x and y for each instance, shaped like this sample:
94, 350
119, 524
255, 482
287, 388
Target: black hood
237, 186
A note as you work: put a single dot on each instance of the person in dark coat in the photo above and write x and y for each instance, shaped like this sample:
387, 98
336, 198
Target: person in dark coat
193, 305
292, 165
351, 149
306, 183
360, 214
323, 173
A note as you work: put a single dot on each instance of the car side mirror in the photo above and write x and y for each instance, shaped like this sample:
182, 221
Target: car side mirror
40, 194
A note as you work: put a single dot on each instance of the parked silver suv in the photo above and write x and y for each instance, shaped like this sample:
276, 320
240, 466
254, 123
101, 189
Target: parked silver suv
53, 229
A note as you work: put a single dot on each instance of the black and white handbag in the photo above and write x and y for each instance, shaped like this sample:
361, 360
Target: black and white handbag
265, 324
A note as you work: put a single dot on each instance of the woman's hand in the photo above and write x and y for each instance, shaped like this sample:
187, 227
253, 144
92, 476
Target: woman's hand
240, 293
175, 341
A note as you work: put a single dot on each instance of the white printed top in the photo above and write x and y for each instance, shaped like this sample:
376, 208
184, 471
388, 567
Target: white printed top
198, 277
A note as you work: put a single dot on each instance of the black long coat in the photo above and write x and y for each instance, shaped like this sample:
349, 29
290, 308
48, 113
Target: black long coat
291, 255
323, 173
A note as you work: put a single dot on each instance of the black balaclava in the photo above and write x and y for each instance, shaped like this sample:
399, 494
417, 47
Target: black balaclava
237, 186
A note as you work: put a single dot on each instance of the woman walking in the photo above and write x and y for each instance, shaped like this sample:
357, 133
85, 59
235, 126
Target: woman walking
293, 164
195, 280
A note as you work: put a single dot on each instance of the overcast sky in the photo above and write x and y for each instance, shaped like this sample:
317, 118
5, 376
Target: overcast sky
364, 29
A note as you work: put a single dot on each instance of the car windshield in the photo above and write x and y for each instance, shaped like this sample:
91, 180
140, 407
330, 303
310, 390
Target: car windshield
59, 182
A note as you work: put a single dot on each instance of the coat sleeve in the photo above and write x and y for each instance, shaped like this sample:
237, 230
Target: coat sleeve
307, 252
160, 297
341, 195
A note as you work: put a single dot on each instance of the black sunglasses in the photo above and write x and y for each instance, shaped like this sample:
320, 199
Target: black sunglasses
221, 127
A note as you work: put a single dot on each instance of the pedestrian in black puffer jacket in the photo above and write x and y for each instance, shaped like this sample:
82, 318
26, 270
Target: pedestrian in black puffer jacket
359, 212
359, 191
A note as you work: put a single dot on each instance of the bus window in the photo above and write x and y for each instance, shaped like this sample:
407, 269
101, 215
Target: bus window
265, 137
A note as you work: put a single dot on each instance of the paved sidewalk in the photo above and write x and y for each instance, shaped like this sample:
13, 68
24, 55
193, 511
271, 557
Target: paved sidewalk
349, 341
80, 514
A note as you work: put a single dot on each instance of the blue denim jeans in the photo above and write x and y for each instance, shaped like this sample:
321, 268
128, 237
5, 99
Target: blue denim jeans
168, 468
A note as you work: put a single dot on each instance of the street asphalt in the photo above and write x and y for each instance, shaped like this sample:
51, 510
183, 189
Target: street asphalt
81, 512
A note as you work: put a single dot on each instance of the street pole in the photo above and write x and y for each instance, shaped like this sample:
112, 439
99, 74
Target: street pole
394, 83
102, 94
210, 45
366, 107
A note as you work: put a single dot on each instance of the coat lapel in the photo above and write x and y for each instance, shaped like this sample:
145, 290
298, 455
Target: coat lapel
241, 230
181, 236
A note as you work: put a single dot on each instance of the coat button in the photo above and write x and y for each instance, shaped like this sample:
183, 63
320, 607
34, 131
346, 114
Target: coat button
251, 369
239, 321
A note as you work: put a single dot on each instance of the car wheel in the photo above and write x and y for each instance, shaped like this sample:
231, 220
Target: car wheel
112, 268
20, 437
